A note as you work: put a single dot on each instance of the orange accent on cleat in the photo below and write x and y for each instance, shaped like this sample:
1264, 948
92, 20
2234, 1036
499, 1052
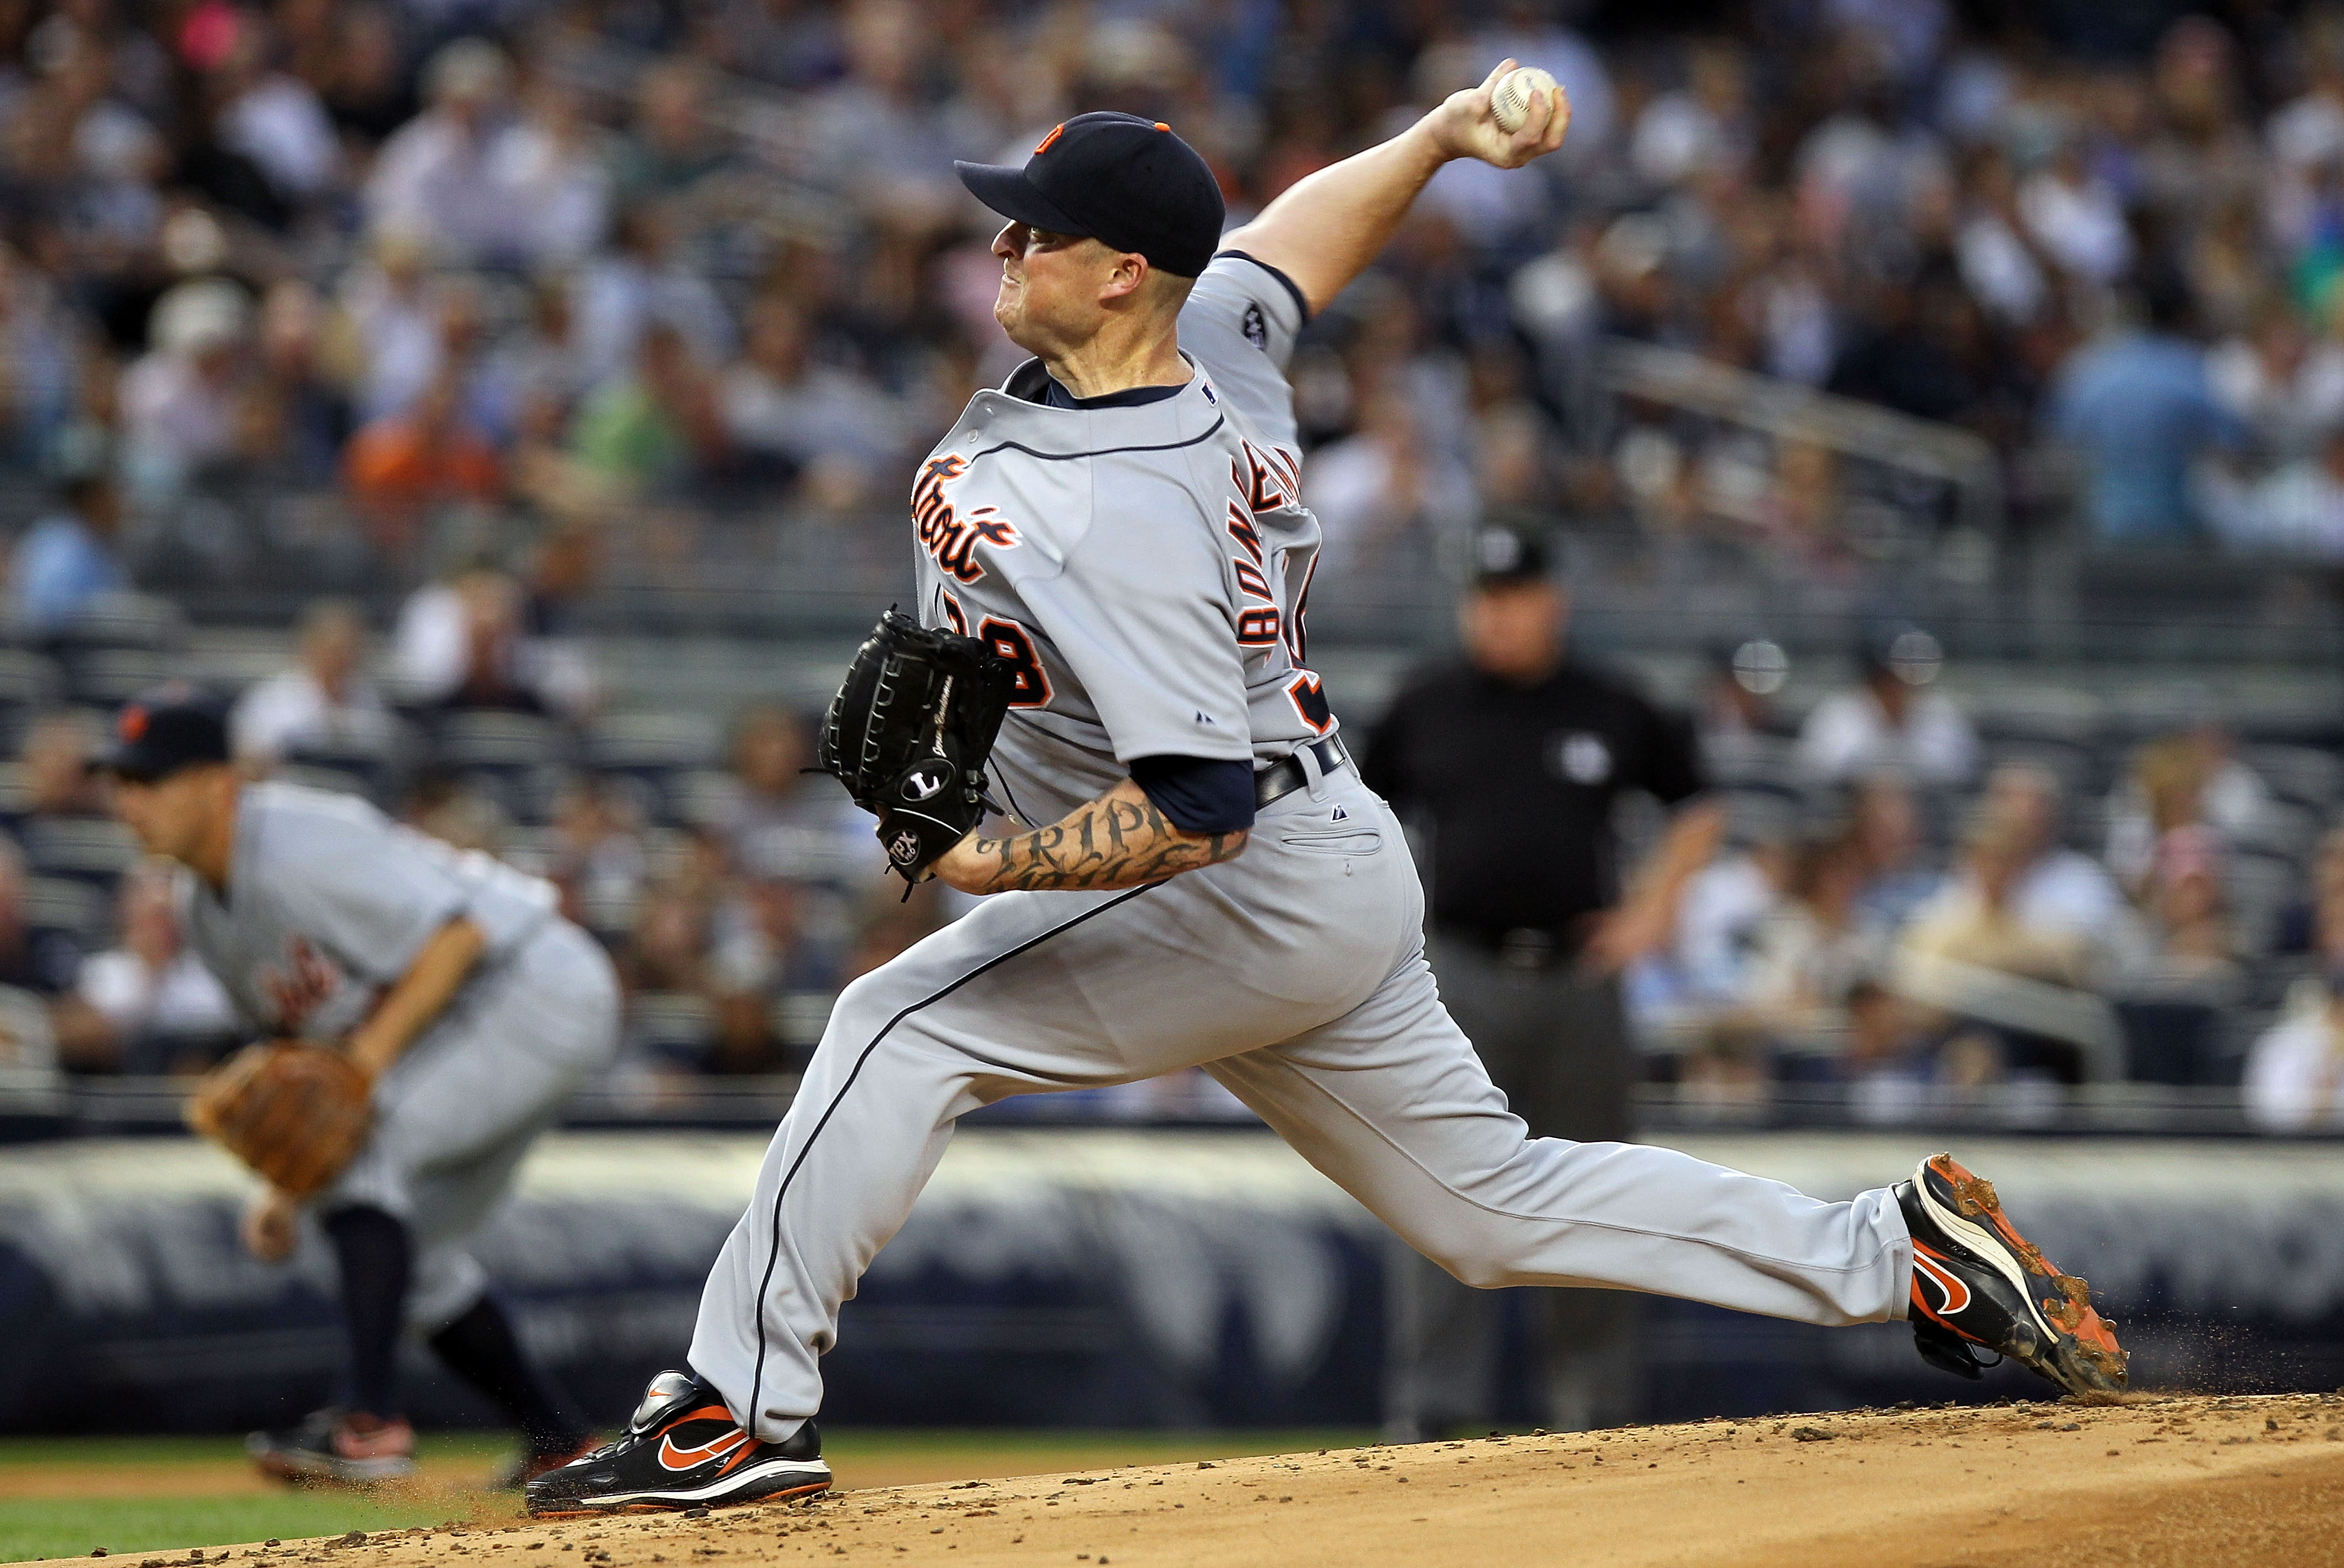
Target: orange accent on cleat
1975, 1198
1972, 1195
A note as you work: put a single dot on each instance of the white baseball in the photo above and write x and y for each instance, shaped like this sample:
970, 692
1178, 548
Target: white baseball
1510, 100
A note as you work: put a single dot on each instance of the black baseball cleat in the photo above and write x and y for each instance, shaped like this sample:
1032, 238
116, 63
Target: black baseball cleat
683, 1449
337, 1446
1978, 1283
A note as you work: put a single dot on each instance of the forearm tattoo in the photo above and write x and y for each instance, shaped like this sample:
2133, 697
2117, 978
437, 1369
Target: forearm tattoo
1119, 840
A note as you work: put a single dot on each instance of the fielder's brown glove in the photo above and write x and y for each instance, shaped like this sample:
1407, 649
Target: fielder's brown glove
295, 1112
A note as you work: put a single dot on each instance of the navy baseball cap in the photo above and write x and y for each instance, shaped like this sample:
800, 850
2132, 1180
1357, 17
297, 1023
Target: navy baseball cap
1121, 180
163, 730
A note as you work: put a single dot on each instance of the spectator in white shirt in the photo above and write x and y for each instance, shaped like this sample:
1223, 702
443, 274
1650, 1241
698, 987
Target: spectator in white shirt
2077, 216
275, 119
439, 175
2188, 782
322, 703
549, 165
2057, 889
637, 283
2023, 901
166, 1010
1891, 723
1384, 484
779, 405
2295, 1071
179, 399
2285, 385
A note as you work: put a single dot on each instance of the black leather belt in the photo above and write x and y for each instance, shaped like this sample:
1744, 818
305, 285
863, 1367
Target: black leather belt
1286, 776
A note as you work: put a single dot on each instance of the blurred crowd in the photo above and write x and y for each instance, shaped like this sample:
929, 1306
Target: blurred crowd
472, 298
384, 283
1916, 914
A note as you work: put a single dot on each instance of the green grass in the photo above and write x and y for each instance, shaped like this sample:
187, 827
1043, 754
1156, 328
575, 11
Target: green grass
54, 1526
64, 1526
18, 1452
42, 1527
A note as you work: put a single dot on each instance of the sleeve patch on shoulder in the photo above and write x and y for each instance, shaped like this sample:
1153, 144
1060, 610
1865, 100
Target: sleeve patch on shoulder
1257, 327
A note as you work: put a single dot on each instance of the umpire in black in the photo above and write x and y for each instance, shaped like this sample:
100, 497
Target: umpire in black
1506, 766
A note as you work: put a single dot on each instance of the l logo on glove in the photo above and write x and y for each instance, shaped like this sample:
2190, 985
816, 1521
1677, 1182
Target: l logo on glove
919, 787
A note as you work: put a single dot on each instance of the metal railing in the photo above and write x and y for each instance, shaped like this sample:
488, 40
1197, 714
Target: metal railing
1792, 412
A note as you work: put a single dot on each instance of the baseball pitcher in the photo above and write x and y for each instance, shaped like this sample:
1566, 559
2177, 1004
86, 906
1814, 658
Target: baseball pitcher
1118, 531
429, 1013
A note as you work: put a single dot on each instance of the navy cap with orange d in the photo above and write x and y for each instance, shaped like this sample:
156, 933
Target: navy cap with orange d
1128, 183
164, 730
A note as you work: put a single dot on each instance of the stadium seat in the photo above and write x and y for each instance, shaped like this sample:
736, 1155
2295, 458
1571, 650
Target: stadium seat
648, 757
703, 797
2302, 775
798, 1019
1754, 815
2240, 1030
1751, 758
519, 759
483, 738
29, 684
2286, 829
74, 909
674, 1025
96, 850
340, 781
536, 850
2074, 763
2272, 980
366, 765
108, 677
127, 621
2172, 1041
653, 740
2259, 888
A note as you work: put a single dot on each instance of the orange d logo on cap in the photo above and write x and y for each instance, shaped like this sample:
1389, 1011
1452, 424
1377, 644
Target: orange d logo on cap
1044, 145
132, 723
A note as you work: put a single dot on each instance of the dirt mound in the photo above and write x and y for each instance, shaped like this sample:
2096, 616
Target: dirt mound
2178, 1481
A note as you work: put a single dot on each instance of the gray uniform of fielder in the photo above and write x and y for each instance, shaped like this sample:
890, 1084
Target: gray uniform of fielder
328, 901
1145, 565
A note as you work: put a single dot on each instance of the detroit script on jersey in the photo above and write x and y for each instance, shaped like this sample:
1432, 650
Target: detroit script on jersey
1145, 567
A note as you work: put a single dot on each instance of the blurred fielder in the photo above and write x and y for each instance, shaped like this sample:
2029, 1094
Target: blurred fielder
460, 1011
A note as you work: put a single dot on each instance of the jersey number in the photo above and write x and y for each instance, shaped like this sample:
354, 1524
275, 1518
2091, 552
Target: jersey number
1014, 644
1259, 627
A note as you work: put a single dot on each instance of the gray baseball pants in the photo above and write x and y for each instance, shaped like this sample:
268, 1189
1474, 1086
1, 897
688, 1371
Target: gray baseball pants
1295, 976
455, 1114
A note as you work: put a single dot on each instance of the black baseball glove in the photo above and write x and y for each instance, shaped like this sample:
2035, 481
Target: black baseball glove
909, 732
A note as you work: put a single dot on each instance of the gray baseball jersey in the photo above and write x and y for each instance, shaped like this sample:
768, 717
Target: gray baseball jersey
328, 902
1146, 566
1184, 514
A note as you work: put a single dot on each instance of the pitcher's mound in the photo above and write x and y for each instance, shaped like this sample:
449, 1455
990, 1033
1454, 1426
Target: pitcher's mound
2178, 1481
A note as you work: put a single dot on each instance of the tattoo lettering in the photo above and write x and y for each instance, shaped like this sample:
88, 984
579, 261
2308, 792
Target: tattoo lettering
1119, 840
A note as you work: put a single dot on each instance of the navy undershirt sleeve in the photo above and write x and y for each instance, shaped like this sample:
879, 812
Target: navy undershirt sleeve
1199, 794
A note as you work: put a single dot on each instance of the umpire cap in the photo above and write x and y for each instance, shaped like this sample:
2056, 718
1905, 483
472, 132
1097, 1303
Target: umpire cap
1121, 180
163, 730
1508, 557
